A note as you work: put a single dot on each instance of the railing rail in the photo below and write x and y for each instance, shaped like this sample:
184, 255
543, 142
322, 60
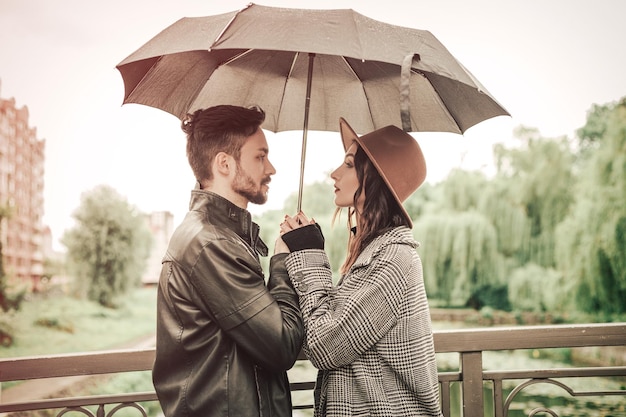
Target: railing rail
468, 343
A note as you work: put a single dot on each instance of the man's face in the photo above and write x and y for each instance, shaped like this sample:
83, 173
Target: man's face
254, 170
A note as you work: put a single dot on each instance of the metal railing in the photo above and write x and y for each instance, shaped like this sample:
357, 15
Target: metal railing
469, 344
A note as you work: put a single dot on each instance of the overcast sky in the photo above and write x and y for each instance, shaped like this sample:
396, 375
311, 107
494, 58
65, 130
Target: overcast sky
545, 61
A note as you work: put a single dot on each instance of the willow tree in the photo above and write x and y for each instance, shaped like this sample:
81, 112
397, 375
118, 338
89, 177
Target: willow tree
462, 190
592, 240
509, 219
108, 247
539, 180
459, 255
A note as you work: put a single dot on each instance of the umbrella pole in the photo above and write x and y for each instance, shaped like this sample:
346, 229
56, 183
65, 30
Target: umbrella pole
305, 129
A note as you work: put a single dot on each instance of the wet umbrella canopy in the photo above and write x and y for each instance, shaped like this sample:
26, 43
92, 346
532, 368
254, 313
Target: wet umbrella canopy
306, 68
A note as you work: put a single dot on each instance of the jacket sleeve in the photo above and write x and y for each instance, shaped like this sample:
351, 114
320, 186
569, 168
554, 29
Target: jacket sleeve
263, 320
341, 327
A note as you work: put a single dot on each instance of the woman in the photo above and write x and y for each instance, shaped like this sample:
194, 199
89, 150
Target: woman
370, 336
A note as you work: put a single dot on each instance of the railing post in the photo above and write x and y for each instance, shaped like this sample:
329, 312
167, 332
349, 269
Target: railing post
472, 384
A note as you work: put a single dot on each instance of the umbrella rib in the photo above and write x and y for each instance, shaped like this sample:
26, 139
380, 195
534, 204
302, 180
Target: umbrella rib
236, 57
356, 77
282, 99
229, 24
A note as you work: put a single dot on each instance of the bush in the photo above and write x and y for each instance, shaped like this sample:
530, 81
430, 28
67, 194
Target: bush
537, 289
495, 296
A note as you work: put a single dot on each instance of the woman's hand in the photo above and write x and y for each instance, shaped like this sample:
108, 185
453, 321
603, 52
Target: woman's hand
290, 223
294, 222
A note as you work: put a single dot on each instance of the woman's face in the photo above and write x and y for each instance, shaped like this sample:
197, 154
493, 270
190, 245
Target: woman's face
346, 181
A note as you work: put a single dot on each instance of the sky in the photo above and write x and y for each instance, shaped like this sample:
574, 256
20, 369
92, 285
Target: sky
546, 61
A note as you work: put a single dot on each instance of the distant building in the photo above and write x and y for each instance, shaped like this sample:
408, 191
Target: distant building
161, 224
21, 189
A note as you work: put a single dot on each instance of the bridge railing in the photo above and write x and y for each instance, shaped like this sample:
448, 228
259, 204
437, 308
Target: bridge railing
469, 344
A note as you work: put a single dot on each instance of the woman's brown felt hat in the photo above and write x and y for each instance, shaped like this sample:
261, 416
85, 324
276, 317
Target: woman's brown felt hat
395, 154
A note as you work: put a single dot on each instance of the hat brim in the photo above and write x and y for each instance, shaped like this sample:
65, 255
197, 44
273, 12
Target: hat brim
348, 136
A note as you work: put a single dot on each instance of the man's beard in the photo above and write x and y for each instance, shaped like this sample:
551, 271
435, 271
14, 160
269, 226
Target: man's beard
244, 185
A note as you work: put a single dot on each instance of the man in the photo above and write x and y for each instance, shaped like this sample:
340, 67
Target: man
224, 339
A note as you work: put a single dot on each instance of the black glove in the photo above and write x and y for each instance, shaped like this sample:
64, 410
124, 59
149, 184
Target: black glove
305, 237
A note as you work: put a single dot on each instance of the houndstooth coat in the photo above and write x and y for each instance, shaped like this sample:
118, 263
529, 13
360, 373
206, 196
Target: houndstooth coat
371, 335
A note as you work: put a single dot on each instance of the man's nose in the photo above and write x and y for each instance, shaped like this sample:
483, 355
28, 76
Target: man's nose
270, 168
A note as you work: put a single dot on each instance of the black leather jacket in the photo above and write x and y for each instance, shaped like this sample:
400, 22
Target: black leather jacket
224, 339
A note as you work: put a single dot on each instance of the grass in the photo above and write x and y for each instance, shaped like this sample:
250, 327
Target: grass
54, 324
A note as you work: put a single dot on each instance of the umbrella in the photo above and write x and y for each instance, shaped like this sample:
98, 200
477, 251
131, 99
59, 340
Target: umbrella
306, 68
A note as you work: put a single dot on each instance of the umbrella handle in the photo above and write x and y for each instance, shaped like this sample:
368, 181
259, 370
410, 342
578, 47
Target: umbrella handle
305, 129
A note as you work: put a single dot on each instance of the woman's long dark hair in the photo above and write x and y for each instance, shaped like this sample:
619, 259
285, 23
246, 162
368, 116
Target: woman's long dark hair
381, 211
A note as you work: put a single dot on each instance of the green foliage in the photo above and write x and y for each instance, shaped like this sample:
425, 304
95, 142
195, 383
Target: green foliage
53, 267
596, 127
534, 288
592, 245
108, 247
317, 200
94, 327
459, 254
124, 383
11, 295
462, 190
509, 219
493, 296
539, 180
425, 200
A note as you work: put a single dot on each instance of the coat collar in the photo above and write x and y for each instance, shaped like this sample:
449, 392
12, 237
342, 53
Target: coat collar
227, 214
400, 235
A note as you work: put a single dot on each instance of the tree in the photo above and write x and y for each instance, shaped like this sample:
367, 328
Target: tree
592, 239
539, 180
508, 216
108, 247
458, 251
595, 128
10, 297
317, 200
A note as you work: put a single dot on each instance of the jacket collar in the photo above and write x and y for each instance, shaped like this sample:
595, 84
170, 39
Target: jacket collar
224, 213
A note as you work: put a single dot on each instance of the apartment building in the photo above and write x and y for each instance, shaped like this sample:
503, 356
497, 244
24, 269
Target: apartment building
21, 190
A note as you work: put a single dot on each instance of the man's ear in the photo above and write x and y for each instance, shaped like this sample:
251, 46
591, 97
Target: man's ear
223, 163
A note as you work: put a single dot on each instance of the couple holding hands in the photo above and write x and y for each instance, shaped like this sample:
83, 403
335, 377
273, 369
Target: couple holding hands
226, 336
